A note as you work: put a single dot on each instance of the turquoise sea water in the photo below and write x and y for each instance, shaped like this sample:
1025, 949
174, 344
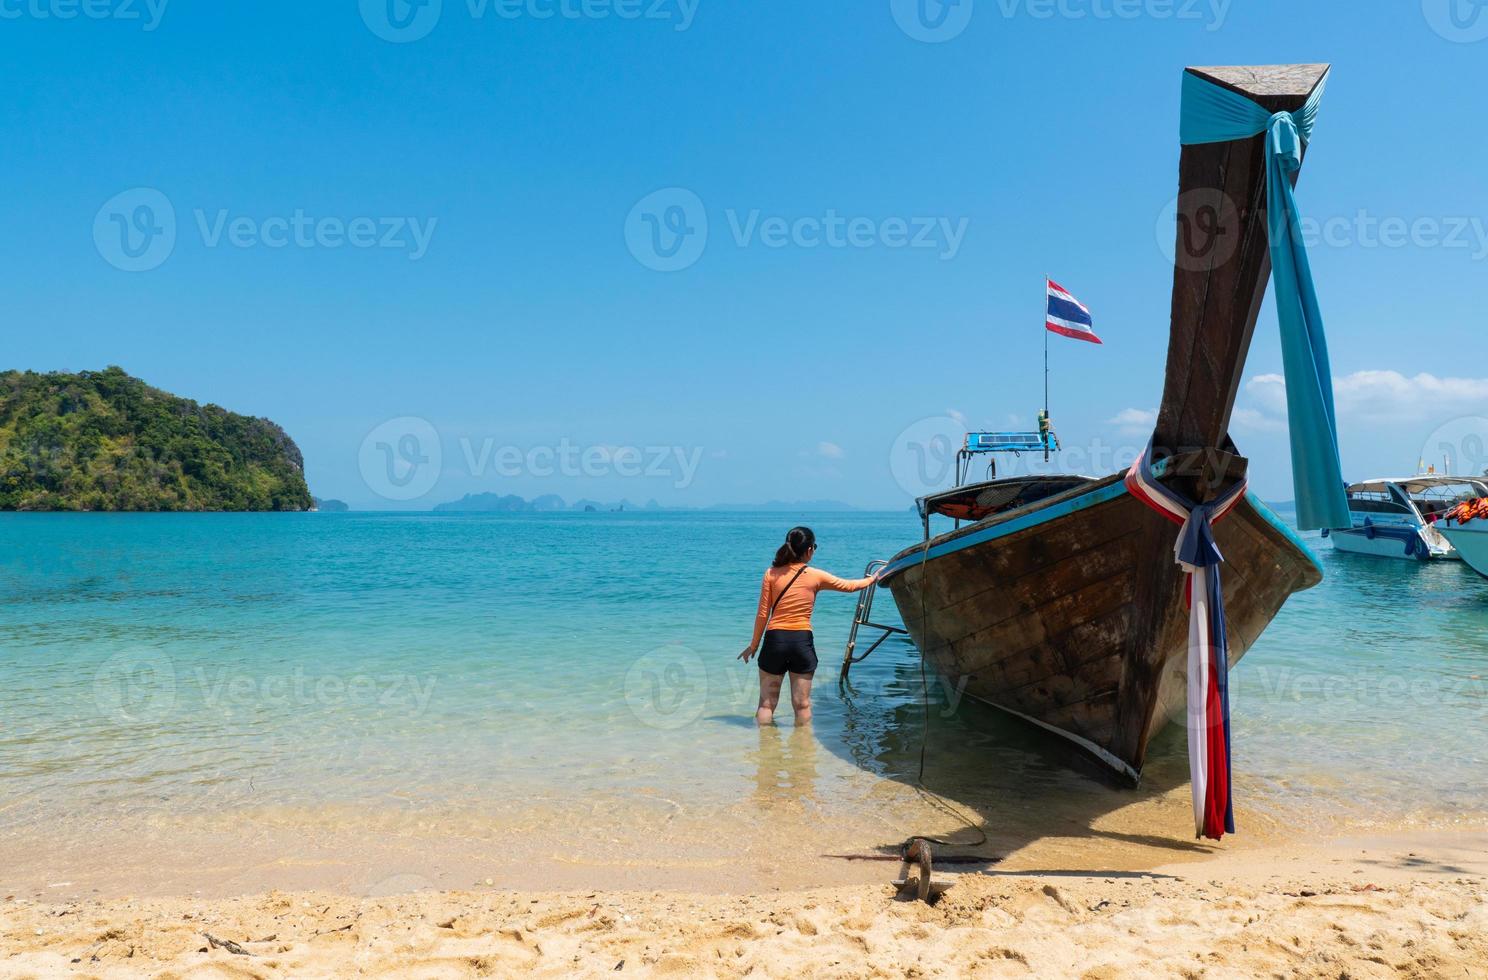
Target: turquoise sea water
244, 664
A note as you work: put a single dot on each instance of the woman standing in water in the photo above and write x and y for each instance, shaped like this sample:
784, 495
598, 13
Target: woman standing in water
783, 621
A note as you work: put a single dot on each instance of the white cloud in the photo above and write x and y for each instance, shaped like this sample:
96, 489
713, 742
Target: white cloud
1383, 396
1134, 421
1269, 392
1249, 419
958, 415
1389, 394
823, 450
820, 461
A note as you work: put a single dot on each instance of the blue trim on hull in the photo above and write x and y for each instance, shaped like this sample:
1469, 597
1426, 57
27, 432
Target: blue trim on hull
1285, 530
1064, 509
1007, 527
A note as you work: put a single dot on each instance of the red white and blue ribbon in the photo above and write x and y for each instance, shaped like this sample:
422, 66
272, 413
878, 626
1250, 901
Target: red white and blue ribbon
1208, 645
1066, 315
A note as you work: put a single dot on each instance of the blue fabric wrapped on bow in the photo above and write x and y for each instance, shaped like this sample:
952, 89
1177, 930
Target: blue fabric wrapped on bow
1213, 114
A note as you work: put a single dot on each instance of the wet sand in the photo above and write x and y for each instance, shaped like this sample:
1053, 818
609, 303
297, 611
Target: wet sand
774, 840
1412, 906
1081, 879
780, 831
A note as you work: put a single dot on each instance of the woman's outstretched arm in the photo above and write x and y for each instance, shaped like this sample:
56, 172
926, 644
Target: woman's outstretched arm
830, 581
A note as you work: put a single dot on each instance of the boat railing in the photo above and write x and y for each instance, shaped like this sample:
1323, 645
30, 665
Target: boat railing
863, 616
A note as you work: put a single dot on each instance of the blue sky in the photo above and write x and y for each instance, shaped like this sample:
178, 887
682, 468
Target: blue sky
448, 222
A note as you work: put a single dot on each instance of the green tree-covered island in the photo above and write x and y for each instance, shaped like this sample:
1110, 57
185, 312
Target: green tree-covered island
105, 441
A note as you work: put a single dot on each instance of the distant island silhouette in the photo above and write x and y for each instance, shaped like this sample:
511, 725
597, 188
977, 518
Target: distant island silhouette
495, 503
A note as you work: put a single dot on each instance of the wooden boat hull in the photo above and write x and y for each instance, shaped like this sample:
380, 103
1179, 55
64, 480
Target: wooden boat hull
1070, 612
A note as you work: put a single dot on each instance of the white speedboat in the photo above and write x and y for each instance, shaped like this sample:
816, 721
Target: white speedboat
1469, 537
1396, 518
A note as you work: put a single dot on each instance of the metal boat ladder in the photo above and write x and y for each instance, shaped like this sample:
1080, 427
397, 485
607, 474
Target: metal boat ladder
864, 617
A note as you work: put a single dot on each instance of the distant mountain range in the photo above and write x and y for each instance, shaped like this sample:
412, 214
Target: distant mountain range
495, 503
489, 503
783, 506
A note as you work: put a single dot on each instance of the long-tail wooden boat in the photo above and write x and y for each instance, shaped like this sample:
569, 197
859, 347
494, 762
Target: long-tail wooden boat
1062, 603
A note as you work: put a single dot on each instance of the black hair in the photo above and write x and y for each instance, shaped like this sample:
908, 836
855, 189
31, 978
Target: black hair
798, 544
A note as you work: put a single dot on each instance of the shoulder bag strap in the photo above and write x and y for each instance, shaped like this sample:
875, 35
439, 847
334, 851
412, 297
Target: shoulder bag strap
783, 591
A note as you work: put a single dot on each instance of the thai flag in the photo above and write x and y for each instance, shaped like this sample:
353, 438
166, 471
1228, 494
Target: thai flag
1068, 316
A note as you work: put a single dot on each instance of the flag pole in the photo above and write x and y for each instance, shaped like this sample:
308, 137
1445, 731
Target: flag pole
1042, 438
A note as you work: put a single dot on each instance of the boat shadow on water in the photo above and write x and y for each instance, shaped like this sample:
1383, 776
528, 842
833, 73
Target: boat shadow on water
1029, 792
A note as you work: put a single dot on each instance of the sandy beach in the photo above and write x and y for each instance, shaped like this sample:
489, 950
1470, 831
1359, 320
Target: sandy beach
582, 488
1412, 906
1082, 882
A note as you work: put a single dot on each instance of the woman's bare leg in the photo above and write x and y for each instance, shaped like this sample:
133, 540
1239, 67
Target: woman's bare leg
801, 697
769, 698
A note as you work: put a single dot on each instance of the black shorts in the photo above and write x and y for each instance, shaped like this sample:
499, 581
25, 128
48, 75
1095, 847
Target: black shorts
788, 651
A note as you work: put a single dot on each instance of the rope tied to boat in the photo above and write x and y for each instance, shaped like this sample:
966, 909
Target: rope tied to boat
1197, 552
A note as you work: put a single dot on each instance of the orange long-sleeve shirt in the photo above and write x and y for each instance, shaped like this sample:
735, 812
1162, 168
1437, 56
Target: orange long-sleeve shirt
794, 610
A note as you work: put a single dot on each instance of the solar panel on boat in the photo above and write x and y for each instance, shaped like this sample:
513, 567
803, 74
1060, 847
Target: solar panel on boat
991, 442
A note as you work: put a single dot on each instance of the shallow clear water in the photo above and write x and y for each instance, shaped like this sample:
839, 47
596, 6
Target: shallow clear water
210, 664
